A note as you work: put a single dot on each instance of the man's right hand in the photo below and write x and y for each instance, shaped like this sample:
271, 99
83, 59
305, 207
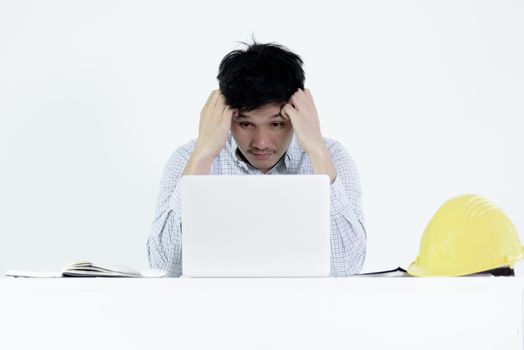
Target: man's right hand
215, 123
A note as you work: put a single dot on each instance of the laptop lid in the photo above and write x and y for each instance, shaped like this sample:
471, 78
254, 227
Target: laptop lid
255, 226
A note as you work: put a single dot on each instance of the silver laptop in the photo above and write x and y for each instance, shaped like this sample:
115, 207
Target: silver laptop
255, 226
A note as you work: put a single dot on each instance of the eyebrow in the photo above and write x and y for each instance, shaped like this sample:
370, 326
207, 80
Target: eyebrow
243, 116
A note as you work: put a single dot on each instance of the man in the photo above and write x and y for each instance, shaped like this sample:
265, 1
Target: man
261, 121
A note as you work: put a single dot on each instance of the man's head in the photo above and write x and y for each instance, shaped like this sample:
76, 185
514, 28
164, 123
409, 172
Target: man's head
257, 82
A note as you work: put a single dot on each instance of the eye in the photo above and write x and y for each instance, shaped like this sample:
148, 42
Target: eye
278, 124
245, 125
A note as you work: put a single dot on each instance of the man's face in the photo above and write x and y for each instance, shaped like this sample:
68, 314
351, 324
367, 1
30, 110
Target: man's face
262, 135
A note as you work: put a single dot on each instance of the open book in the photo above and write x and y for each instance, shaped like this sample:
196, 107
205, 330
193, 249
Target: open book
89, 269
398, 272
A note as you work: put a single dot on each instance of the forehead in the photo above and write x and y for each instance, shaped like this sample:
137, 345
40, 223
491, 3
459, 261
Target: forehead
265, 112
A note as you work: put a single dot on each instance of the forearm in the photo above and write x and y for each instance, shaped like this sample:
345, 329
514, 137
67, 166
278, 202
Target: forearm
348, 243
199, 163
164, 245
322, 162
348, 234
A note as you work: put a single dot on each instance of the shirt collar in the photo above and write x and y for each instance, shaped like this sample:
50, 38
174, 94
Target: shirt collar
232, 150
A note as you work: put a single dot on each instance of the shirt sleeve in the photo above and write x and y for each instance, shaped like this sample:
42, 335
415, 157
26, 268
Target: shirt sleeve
164, 245
348, 235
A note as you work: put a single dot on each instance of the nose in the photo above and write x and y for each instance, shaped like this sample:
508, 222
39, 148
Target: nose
261, 139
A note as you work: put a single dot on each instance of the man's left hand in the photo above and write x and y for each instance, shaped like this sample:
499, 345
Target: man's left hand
303, 114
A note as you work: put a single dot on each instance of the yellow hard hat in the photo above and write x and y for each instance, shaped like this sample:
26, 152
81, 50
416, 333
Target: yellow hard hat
467, 235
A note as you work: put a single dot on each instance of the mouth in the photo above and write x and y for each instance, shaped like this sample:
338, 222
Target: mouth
262, 156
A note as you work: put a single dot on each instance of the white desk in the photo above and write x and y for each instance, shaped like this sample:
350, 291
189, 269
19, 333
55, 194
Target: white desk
353, 313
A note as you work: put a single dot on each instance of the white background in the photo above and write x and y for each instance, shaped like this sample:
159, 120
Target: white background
427, 97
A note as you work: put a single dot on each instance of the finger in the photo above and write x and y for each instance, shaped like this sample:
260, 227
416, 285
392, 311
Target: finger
227, 117
221, 100
221, 105
298, 99
308, 92
301, 96
211, 99
288, 111
284, 114
309, 96
293, 101
227, 112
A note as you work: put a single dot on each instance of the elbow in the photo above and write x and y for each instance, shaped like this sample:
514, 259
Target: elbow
352, 263
157, 260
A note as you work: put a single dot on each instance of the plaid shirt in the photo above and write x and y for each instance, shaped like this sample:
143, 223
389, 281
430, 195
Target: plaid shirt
348, 236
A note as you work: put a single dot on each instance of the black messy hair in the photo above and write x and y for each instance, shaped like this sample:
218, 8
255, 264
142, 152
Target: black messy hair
260, 75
